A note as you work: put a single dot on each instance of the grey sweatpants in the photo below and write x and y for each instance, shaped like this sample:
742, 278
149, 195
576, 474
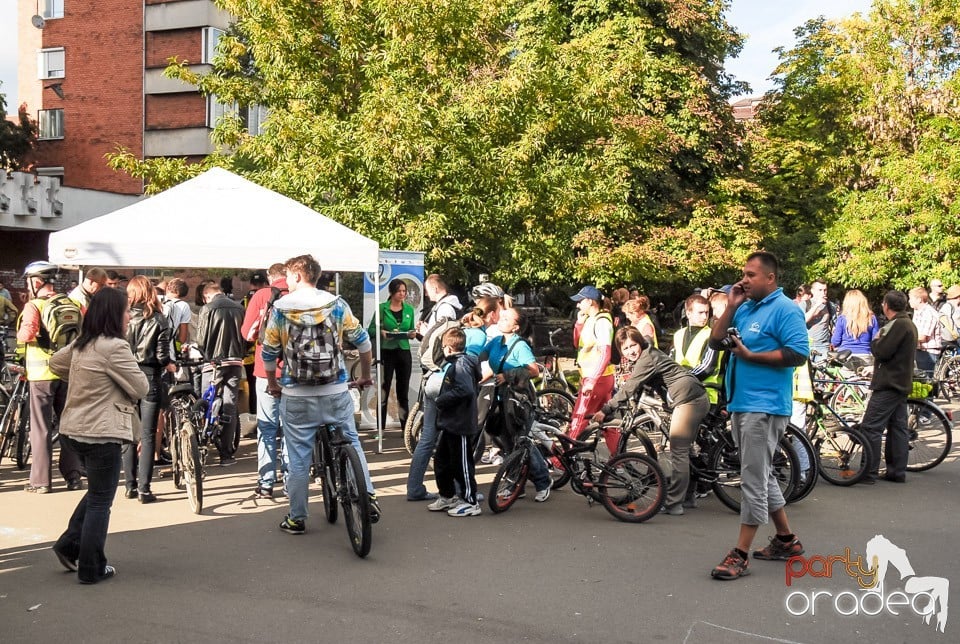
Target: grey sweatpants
756, 436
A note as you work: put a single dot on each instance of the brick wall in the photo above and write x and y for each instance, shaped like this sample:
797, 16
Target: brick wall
103, 91
167, 111
182, 43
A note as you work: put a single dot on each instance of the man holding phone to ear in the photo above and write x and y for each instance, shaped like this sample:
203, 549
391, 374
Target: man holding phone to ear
766, 335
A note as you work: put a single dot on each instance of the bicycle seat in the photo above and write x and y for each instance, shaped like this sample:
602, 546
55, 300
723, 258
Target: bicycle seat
182, 388
550, 351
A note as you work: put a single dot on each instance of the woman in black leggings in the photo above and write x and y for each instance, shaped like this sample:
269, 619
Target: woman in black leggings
397, 321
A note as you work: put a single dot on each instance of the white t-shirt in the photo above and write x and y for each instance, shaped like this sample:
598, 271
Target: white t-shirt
177, 312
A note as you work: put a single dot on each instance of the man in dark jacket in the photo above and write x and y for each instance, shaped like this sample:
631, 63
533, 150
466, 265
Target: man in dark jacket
894, 351
457, 420
219, 337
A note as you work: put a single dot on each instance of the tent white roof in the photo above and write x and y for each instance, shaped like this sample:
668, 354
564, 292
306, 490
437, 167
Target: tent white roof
215, 220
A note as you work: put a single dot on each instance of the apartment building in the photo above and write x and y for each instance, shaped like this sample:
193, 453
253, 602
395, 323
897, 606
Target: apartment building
91, 74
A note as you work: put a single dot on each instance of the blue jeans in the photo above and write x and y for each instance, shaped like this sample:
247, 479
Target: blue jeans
302, 416
539, 473
425, 448
86, 532
268, 424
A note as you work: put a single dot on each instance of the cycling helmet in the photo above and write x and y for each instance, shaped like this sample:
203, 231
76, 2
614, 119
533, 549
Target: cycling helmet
46, 270
487, 289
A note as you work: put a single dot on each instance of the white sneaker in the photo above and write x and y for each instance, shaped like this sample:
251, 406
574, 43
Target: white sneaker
465, 509
496, 460
443, 503
542, 495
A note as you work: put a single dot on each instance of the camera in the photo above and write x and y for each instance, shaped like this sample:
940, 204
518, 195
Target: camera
727, 342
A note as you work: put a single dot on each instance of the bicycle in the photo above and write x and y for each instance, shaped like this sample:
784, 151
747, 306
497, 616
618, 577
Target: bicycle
15, 423
947, 371
552, 377
714, 457
187, 463
843, 453
336, 467
630, 486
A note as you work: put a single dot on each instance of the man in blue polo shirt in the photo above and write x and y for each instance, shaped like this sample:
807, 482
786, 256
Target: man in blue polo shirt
772, 342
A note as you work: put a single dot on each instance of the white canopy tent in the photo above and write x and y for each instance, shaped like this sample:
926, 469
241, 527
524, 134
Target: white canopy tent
215, 220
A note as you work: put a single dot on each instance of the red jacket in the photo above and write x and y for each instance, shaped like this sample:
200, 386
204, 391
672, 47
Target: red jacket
251, 321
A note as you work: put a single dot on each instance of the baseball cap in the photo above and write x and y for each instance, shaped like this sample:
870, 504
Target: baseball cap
587, 293
726, 288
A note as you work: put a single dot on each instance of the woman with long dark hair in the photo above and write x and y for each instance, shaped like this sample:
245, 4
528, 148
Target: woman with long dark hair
397, 320
149, 336
103, 384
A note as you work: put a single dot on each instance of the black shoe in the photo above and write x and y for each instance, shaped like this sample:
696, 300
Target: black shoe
895, 479
375, 510
74, 484
227, 461
163, 459
131, 494
263, 492
108, 573
147, 497
68, 562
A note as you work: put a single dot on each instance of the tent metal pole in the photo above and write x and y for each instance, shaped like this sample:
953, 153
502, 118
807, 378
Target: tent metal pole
376, 317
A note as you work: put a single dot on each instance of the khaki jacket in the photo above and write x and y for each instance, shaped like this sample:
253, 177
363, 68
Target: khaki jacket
104, 384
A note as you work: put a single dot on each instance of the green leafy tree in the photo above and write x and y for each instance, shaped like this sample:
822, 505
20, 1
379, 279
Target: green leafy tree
16, 138
537, 140
856, 149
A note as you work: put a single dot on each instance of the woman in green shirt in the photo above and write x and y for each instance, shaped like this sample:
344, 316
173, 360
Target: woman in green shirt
397, 320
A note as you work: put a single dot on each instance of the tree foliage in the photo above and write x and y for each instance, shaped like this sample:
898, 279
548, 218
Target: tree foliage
856, 151
16, 138
536, 140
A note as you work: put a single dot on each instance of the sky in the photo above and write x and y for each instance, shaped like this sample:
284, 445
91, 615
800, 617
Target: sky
766, 23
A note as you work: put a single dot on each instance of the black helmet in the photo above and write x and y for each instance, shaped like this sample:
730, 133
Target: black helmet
46, 270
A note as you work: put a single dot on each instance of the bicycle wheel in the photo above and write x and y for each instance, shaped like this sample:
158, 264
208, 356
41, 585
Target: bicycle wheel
948, 375
175, 451
509, 481
556, 402
724, 467
843, 454
807, 460
632, 487
411, 431
22, 424
849, 400
636, 439
324, 475
356, 502
931, 435
192, 465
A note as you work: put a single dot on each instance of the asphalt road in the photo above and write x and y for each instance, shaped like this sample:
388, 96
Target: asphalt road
555, 572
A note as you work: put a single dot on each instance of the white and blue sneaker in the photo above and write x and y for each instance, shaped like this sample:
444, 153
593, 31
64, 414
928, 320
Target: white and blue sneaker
465, 509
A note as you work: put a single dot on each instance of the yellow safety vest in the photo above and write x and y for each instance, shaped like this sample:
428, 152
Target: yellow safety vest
589, 353
37, 360
694, 354
802, 385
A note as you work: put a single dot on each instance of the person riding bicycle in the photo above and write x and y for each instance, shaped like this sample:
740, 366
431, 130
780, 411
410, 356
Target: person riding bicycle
313, 383
685, 394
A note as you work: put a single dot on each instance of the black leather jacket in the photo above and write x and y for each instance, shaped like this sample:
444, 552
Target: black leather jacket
149, 338
218, 331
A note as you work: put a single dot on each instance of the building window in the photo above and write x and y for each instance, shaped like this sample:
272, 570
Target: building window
51, 124
217, 110
55, 172
211, 38
253, 117
52, 9
51, 63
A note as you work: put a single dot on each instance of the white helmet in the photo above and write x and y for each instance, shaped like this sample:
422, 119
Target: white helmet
42, 269
487, 289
